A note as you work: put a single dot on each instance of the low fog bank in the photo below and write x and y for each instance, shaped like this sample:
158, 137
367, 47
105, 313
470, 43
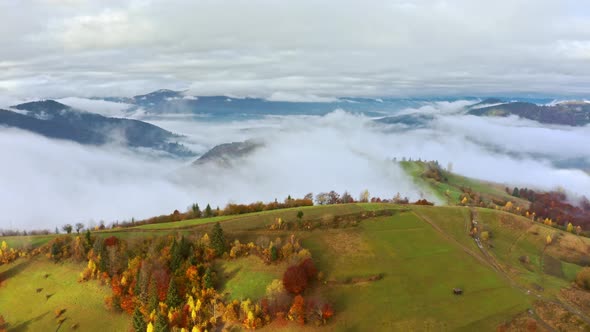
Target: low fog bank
47, 183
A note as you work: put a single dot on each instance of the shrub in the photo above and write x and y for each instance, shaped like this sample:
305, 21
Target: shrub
583, 278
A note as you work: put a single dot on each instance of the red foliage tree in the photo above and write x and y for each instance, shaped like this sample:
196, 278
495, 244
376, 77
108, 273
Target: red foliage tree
297, 311
309, 267
111, 241
327, 311
295, 279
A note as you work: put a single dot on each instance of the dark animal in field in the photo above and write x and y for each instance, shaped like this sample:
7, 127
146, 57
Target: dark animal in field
39, 290
457, 291
46, 275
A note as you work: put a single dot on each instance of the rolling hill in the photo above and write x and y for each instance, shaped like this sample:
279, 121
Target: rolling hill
385, 267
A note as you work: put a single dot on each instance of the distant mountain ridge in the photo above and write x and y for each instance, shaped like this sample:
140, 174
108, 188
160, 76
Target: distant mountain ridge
226, 154
566, 113
55, 120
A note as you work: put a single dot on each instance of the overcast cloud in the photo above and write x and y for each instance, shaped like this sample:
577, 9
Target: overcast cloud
294, 50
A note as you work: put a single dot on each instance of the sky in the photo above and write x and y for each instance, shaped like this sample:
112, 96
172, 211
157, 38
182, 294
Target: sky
294, 50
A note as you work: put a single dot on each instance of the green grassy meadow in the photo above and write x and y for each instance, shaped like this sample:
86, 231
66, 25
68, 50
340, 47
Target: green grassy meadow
419, 264
420, 270
27, 310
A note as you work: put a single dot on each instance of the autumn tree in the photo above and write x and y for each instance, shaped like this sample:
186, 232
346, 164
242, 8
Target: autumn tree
295, 279
79, 227
570, 227
67, 228
333, 197
346, 198
364, 196
297, 311
218, 240
309, 267
321, 198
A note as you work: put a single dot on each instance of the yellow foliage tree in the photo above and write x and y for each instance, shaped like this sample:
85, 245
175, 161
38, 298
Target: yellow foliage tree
548, 240
464, 200
570, 227
508, 206
150, 327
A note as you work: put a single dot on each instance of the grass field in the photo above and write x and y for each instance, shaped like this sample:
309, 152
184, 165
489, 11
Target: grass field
27, 310
247, 278
450, 191
420, 270
420, 266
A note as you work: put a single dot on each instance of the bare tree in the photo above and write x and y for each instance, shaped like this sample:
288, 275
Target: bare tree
79, 227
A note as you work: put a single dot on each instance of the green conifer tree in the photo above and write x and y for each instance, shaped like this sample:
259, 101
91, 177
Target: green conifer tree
218, 240
161, 324
173, 300
139, 324
208, 212
208, 279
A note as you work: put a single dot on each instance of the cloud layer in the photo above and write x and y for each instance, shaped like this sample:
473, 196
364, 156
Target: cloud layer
294, 50
49, 182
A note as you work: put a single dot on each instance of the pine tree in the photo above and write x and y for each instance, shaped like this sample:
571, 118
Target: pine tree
139, 324
218, 240
161, 324
153, 298
173, 300
176, 259
88, 238
208, 212
273, 253
208, 279
196, 210
137, 289
516, 192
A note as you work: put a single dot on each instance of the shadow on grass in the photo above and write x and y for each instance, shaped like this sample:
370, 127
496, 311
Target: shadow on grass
223, 277
16, 269
25, 326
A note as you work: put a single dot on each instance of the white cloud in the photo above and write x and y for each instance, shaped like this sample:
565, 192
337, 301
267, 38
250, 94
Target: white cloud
66, 182
292, 97
106, 108
260, 47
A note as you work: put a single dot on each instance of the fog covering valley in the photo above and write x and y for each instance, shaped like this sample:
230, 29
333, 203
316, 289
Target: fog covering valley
49, 182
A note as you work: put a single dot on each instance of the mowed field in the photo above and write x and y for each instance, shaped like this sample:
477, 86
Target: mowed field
419, 264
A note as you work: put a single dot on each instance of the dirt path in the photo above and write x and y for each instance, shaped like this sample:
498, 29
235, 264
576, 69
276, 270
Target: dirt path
489, 260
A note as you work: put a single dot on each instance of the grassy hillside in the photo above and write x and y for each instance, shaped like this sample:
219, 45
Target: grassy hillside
388, 273
28, 310
420, 270
449, 188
